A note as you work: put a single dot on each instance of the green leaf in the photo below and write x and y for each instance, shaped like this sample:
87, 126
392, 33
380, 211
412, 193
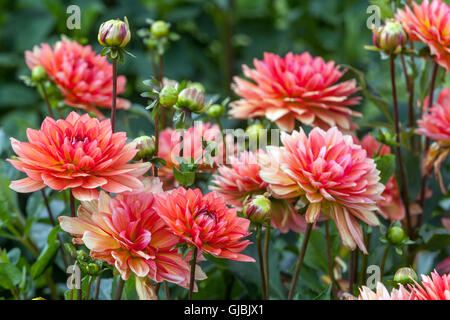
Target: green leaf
10, 275
386, 165
47, 255
185, 178
325, 294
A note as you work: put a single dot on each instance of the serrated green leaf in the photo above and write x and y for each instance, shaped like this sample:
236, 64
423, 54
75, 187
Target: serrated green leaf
386, 165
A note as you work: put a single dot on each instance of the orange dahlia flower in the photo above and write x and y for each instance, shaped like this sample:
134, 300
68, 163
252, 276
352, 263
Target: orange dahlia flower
78, 153
242, 180
430, 24
126, 232
435, 287
84, 78
205, 221
298, 87
175, 143
336, 177
435, 124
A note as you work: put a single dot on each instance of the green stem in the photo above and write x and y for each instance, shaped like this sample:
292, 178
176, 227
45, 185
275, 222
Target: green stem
47, 102
300, 260
97, 286
192, 277
88, 292
266, 260
114, 97
383, 261
166, 290
222, 132
365, 261
330, 257
410, 87
119, 290
155, 168
72, 205
401, 170
261, 262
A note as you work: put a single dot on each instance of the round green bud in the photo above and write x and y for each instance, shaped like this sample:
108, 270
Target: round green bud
38, 73
253, 131
197, 85
93, 268
160, 28
396, 235
146, 148
81, 255
191, 99
168, 96
405, 275
257, 209
391, 37
114, 33
215, 111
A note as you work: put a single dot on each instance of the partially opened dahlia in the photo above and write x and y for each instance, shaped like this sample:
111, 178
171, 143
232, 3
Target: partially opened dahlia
84, 77
126, 232
336, 177
296, 87
430, 24
204, 221
78, 153
242, 180
187, 143
435, 124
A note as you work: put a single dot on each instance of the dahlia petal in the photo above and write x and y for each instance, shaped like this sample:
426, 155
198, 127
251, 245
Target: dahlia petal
84, 194
98, 242
26, 185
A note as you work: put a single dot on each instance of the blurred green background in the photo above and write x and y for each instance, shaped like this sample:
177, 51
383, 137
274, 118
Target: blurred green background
217, 37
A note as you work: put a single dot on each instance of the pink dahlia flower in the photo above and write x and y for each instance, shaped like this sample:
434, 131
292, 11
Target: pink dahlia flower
298, 87
171, 147
435, 287
430, 24
435, 124
242, 180
84, 78
126, 232
205, 221
382, 293
78, 153
336, 177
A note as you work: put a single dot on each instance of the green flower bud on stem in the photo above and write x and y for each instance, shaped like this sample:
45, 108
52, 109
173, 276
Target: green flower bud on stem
160, 28
168, 96
257, 209
38, 73
114, 33
146, 148
191, 99
405, 276
253, 131
391, 37
396, 235
215, 111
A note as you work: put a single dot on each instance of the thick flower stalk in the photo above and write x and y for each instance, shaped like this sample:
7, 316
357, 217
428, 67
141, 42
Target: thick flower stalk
78, 153
435, 124
126, 232
336, 177
84, 78
429, 23
243, 180
296, 87
205, 222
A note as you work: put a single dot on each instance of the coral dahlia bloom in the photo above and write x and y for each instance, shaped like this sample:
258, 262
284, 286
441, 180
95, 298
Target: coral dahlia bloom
205, 221
171, 147
336, 176
430, 24
435, 287
242, 180
84, 78
382, 293
78, 153
435, 124
126, 232
298, 87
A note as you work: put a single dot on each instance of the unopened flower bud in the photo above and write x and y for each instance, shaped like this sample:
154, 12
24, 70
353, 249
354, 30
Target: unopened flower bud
81, 255
38, 73
396, 235
192, 99
93, 268
168, 96
215, 111
197, 85
257, 209
160, 28
391, 37
146, 148
405, 276
253, 131
114, 33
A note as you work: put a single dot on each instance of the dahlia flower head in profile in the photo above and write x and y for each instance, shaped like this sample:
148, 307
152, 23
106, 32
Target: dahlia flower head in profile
435, 124
296, 87
205, 222
126, 232
78, 153
84, 77
242, 180
381, 293
429, 23
335, 176
175, 143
